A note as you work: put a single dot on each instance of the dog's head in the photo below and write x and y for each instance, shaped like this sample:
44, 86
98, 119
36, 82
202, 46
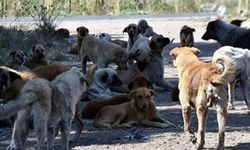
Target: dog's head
213, 28
7, 77
141, 50
17, 57
174, 53
158, 42
142, 97
82, 31
143, 25
61, 33
132, 30
140, 81
104, 36
38, 52
107, 77
187, 30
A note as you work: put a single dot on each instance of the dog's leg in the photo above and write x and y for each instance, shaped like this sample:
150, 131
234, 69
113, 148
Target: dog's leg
79, 123
243, 84
65, 132
84, 63
120, 115
20, 130
50, 137
231, 88
201, 111
221, 108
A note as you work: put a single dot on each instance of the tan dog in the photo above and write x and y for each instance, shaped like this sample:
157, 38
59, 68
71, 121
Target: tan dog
100, 52
37, 57
140, 110
16, 60
201, 85
93, 107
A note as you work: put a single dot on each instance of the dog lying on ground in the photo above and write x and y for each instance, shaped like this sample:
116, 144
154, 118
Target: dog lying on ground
186, 36
99, 89
241, 58
227, 34
201, 86
139, 110
149, 63
93, 107
37, 57
48, 105
100, 52
145, 29
16, 60
67, 89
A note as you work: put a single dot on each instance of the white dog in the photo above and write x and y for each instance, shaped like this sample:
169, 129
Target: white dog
242, 60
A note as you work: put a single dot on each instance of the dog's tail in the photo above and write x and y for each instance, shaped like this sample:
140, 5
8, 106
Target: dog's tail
13, 106
226, 67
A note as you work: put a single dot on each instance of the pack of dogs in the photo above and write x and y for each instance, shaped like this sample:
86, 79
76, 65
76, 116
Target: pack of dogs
119, 86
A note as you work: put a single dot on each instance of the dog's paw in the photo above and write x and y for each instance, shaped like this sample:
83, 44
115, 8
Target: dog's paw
12, 146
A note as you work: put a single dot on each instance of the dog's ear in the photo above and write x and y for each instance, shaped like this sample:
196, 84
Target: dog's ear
87, 31
33, 48
196, 51
173, 53
130, 85
104, 77
13, 76
141, 66
125, 30
215, 84
192, 29
150, 84
77, 30
152, 92
133, 93
12, 53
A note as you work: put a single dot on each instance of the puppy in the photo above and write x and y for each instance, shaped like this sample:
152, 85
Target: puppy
100, 52
67, 89
149, 63
140, 109
201, 85
186, 36
37, 57
241, 58
104, 36
103, 79
33, 102
93, 107
227, 34
133, 34
16, 60
145, 29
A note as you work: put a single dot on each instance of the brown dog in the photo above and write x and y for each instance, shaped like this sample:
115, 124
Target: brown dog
202, 85
16, 60
186, 36
140, 109
37, 57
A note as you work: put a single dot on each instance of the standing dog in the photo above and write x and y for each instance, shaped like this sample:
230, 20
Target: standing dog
100, 52
93, 107
67, 89
145, 29
227, 34
37, 57
202, 85
16, 60
139, 110
186, 36
99, 89
241, 58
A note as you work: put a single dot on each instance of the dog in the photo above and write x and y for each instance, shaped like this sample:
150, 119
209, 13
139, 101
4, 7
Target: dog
241, 58
48, 105
100, 52
104, 36
244, 23
16, 60
201, 86
145, 29
140, 109
37, 57
93, 107
227, 34
99, 89
61, 33
133, 34
33, 102
67, 89
149, 62
186, 36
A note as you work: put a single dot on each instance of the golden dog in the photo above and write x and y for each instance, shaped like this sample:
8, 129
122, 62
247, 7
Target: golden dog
201, 85
140, 110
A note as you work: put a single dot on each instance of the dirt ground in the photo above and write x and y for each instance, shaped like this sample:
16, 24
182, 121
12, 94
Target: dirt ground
238, 124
